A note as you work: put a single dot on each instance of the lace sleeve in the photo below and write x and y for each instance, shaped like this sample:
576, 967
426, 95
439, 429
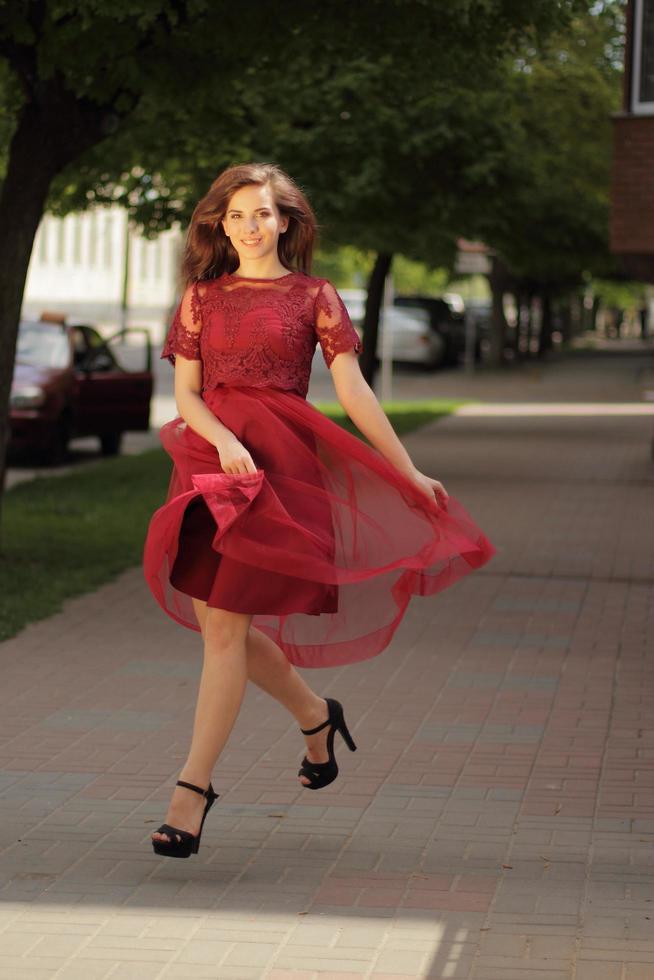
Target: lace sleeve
333, 324
184, 334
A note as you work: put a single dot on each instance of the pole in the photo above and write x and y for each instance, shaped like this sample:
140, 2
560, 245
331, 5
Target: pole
124, 299
387, 341
470, 333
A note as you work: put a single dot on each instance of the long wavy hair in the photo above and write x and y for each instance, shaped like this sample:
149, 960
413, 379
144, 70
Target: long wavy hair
208, 251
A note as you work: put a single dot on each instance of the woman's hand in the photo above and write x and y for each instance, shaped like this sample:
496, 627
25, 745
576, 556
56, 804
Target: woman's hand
433, 489
234, 457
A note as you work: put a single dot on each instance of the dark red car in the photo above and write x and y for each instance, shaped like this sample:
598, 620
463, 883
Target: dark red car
68, 382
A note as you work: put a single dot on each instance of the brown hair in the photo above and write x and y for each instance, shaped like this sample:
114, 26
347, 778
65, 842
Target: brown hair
209, 252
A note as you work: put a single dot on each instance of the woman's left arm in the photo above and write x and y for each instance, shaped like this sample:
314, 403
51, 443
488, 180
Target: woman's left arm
359, 401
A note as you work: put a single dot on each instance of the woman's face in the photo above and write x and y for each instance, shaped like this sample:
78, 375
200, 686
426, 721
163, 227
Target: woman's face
253, 222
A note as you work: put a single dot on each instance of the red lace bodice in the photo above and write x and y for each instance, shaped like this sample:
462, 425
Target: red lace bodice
260, 332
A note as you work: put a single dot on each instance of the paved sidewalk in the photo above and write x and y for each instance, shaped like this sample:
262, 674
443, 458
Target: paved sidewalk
497, 820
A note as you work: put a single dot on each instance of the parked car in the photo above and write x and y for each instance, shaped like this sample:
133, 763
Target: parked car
68, 382
412, 341
444, 320
355, 303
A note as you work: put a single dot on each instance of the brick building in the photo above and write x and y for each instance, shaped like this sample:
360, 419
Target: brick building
632, 190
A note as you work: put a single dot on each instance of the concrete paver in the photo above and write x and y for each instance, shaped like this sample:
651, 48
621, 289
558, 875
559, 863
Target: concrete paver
497, 821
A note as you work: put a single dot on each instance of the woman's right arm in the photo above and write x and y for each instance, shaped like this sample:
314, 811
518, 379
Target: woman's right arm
234, 457
182, 348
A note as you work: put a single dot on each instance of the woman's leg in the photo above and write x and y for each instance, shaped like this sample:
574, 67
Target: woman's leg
269, 668
222, 686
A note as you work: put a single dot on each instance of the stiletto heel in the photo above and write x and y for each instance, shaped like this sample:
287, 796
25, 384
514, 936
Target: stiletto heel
189, 843
323, 773
347, 738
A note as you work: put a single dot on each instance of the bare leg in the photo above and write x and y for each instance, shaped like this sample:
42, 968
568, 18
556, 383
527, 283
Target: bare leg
222, 686
269, 668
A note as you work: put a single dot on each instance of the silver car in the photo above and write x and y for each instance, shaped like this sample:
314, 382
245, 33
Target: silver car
412, 339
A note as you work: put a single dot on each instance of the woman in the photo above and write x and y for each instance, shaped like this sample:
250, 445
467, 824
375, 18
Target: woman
284, 539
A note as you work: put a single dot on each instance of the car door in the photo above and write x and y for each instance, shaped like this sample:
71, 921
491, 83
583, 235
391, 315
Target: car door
111, 396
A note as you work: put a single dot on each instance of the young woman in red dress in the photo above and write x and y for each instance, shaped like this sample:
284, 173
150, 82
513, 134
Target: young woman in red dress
284, 539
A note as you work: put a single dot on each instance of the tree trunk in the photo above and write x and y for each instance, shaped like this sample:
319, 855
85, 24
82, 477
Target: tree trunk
537, 319
523, 331
368, 359
545, 338
516, 337
566, 321
50, 134
497, 279
529, 324
594, 310
22, 198
577, 315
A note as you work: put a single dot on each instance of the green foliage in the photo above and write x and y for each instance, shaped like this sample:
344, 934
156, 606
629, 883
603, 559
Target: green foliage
349, 267
408, 123
624, 295
392, 115
416, 277
345, 265
471, 287
386, 113
550, 224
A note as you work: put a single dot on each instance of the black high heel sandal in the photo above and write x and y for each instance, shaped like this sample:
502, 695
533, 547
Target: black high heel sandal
323, 773
189, 843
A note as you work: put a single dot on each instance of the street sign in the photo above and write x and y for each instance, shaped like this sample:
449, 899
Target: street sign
472, 263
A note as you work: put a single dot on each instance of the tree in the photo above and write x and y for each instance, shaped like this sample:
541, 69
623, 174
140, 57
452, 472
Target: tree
143, 102
70, 75
549, 228
394, 159
414, 152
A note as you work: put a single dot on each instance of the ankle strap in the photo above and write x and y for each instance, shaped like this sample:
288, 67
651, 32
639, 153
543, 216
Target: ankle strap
312, 731
202, 792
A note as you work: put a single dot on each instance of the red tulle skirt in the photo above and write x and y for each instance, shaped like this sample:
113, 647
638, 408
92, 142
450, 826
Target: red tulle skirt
324, 545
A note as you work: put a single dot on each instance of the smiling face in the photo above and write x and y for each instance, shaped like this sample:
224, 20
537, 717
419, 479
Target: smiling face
253, 223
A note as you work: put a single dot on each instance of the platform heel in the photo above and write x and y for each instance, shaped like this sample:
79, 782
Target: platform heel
323, 773
189, 843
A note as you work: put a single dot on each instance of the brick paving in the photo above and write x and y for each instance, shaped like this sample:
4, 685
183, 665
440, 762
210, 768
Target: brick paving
497, 821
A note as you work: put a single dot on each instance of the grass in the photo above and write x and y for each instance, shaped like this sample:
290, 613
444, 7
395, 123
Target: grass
404, 416
66, 535
63, 536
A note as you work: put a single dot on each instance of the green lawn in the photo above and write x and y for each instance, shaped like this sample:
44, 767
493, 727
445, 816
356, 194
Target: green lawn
405, 416
66, 535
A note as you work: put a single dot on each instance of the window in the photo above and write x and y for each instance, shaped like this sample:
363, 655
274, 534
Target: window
61, 240
107, 242
642, 92
144, 265
43, 241
77, 239
93, 238
158, 257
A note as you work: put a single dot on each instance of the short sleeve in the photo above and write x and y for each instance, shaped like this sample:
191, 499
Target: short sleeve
333, 324
184, 333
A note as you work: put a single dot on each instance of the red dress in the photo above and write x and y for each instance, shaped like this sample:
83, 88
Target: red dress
326, 543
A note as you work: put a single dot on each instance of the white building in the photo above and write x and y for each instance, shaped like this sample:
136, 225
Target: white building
78, 268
